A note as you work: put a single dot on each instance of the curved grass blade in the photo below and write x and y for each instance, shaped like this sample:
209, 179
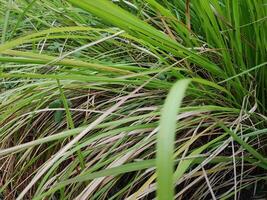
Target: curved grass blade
119, 17
165, 140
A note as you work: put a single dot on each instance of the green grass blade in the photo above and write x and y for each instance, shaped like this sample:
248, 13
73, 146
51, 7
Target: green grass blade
5, 25
165, 140
138, 28
130, 167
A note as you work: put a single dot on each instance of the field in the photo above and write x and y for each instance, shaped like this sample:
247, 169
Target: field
133, 99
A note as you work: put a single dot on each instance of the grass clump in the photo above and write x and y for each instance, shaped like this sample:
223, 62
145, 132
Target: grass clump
82, 107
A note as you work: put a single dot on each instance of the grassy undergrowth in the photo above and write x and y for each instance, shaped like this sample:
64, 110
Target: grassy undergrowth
133, 99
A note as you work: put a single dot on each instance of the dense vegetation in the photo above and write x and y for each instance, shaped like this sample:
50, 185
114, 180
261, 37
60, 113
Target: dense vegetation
133, 99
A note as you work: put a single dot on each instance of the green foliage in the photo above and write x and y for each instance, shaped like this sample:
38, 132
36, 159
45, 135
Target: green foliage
95, 100
166, 139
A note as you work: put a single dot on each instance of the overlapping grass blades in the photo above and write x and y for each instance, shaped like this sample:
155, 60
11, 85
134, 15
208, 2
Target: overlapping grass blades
89, 55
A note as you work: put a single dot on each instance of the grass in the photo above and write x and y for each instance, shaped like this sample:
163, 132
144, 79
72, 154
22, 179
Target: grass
96, 102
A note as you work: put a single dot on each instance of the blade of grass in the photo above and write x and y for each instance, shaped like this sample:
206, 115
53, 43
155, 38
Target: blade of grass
5, 25
246, 146
70, 121
165, 140
136, 27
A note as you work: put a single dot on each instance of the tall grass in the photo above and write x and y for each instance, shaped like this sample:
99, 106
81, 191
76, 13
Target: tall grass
133, 99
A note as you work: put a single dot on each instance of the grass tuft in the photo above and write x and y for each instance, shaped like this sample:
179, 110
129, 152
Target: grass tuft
133, 99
